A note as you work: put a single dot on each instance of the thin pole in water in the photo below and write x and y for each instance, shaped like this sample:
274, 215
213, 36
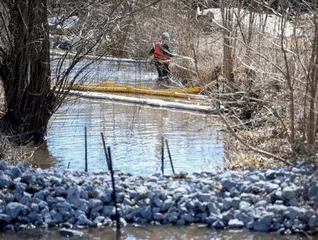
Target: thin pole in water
105, 151
162, 155
114, 195
85, 149
68, 165
170, 156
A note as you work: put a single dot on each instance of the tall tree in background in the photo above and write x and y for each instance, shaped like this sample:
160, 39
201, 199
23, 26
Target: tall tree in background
25, 69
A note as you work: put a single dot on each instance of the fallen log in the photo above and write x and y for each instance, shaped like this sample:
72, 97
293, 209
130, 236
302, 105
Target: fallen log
150, 102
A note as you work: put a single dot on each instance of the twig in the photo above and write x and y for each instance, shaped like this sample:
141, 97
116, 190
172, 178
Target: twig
268, 154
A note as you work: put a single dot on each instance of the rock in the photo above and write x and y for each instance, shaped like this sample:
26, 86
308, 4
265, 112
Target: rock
235, 223
270, 174
13, 209
187, 217
172, 217
290, 192
95, 203
218, 224
70, 233
313, 222
267, 218
227, 203
158, 202
15, 172
4, 218
158, 216
167, 204
83, 220
6, 181
291, 212
228, 185
204, 197
313, 193
260, 227
146, 213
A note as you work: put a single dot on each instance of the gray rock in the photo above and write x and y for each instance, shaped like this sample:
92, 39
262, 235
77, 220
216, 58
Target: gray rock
3, 165
243, 216
260, 227
218, 224
313, 222
313, 193
60, 191
213, 208
167, 204
108, 211
6, 181
204, 197
146, 213
5, 218
56, 216
83, 220
106, 198
235, 223
290, 192
261, 203
95, 203
73, 194
212, 218
267, 218
13, 209
99, 219
180, 221
70, 233
270, 187
15, 172
305, 213
227, 203
270, 174
158, 216
228, 184
291, 212
188, 218
172, 217
236, 202
158, 202
245, 206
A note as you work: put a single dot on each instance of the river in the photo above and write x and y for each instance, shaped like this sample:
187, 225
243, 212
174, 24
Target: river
134, 134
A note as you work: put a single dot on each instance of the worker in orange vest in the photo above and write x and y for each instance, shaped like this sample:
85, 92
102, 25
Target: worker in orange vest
162, 56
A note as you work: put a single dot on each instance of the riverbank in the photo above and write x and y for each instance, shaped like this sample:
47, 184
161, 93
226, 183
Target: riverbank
282, 200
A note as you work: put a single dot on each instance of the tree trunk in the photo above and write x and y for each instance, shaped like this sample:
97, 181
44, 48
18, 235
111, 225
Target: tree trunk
26, 72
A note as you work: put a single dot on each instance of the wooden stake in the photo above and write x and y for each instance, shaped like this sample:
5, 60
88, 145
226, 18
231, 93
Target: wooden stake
162, 155
114, 195
105, 151
85, 149
170, 156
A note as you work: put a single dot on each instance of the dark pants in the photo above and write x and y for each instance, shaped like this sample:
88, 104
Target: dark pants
163, 70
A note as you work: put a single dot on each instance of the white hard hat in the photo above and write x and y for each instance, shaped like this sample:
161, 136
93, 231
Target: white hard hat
166, 35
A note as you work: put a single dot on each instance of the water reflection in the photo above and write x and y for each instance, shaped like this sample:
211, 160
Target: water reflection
136, 73
134, 134
155, 233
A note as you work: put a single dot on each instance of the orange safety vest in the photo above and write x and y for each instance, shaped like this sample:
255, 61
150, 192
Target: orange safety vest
159, 55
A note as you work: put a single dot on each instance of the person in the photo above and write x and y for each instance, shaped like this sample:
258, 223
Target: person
162, 57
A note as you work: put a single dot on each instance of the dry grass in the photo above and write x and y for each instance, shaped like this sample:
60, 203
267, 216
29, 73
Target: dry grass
13, 154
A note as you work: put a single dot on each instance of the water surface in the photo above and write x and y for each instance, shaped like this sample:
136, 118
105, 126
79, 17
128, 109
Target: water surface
134, 134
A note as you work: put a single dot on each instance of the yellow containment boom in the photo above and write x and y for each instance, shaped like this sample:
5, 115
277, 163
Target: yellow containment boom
112, 87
